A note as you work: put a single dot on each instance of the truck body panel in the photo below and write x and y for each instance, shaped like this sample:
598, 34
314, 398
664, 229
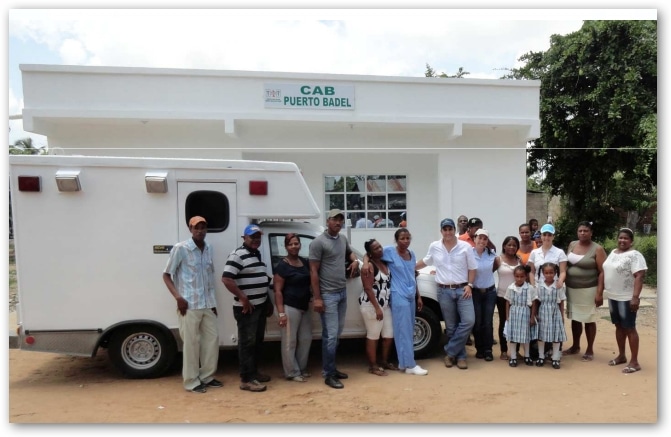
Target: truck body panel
90, 261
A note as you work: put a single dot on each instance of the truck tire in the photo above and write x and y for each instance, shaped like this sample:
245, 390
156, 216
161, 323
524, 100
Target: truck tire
427, 332
142, 351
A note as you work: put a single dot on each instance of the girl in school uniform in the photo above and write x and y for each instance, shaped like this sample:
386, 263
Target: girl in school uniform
550, 313
521, 314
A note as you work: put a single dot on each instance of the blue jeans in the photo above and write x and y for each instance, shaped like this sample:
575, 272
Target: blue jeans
333, 322
251, 330
483, 305
459, 319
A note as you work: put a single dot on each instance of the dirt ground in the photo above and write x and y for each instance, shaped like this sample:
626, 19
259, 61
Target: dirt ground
46, 388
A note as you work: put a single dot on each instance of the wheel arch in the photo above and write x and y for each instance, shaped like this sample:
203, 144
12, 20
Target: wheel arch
103, 341
435, 307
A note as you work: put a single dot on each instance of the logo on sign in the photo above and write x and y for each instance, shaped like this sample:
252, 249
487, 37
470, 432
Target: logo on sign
273, 95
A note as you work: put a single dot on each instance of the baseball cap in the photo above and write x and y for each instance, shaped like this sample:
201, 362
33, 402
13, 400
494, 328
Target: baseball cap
446, 222
195, 220
482, 232
548, 228
375, 217
474, 222
536, 235
252, 229
335, 213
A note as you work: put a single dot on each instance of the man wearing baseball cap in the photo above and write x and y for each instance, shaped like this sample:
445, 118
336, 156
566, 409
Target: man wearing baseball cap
328, 278
189, 276
246, 277
455, 272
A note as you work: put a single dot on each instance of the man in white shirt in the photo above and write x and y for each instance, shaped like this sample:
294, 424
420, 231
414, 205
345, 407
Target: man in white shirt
455, 272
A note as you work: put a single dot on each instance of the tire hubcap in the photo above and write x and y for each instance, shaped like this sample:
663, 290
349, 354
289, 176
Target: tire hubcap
421, 334
141, 350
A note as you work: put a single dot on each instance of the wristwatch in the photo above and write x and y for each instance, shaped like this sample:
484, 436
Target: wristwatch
470, 285
281, 314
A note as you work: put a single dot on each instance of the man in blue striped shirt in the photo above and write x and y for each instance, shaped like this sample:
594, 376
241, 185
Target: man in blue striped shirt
246, 277
189, 276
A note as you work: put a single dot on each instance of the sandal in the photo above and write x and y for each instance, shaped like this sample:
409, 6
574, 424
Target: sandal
504, 356
379, 371
388, 366
630, 369
555, 364
528, 361
571, 351
614, 362
512, 362
540, 362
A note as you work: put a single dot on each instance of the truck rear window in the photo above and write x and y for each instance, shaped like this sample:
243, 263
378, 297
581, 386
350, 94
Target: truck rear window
212, 205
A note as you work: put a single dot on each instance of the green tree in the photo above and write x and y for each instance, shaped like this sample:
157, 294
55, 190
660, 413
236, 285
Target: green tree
25, 147
430, 72
598, 111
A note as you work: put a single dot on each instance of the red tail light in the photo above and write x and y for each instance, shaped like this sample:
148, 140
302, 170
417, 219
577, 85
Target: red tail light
258, 188
30, 183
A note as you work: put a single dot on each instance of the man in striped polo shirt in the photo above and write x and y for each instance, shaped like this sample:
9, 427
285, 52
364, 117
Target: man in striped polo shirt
246, 277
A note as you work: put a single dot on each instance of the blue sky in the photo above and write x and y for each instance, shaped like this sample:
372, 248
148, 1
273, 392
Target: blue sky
379, 42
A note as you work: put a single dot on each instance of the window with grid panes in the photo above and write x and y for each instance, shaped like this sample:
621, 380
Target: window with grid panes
368, 201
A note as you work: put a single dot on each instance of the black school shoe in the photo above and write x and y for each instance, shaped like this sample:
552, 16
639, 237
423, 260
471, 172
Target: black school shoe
489, 356
333, 382
340, 375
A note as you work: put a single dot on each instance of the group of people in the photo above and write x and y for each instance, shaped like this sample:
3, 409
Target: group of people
534, 282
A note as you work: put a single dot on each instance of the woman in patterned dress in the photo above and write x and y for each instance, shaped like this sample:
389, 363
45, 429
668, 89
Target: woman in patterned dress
550, 314
521, 314
375, 309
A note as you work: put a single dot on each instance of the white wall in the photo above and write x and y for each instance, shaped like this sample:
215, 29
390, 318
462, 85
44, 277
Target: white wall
462, 142
420, 169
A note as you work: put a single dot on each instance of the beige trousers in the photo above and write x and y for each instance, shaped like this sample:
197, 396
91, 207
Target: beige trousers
199, 333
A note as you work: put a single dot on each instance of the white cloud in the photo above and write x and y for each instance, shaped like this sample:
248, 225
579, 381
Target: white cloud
384, 42
374, 41
72, 52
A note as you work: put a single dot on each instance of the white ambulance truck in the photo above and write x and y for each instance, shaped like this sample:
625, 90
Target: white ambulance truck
92, 237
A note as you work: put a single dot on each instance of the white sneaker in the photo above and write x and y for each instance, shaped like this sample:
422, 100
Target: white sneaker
416, 371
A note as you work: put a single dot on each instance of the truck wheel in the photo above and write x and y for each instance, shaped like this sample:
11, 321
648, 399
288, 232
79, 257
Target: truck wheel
427, 332
141, 351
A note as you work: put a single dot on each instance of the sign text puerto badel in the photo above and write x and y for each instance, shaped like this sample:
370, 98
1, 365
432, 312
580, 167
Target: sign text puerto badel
309, 96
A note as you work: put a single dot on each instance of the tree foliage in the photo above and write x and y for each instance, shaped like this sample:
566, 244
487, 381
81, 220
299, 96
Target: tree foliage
25, 147
598, 111
430, 72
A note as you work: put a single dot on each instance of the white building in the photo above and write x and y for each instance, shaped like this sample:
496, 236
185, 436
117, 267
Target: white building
379, 145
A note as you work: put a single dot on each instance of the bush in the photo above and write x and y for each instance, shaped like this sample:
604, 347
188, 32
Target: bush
647, 245
567, 228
